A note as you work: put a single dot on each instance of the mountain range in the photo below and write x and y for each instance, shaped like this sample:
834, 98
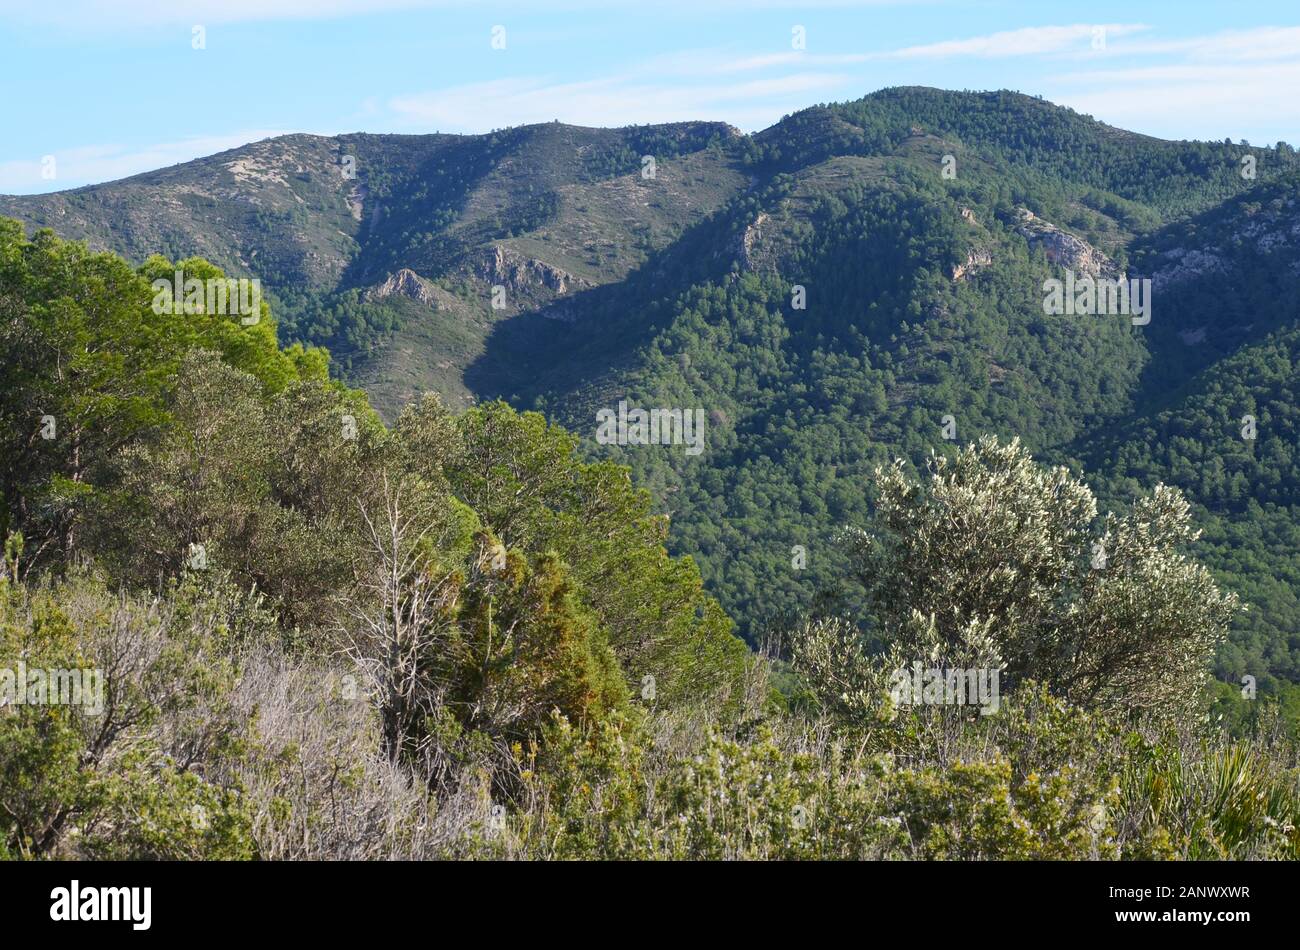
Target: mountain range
859, 282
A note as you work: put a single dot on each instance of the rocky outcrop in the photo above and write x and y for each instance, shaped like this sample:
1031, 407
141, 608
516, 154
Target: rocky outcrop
501, 266
1179, 264
1271, 230
560, 312
975, 259
752, 235
405, 283
357, 199
1063, 248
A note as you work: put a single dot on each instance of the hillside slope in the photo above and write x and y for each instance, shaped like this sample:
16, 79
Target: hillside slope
860, 281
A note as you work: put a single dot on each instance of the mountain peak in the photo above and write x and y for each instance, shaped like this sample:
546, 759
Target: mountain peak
404, 283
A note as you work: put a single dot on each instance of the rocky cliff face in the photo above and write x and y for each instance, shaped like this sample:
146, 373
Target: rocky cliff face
1270, 232
1179, 264
749, 239
405, 283
1065, 249
506, 268
975, 259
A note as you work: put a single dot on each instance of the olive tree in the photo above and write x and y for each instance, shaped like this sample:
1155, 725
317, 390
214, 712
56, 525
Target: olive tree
990, 558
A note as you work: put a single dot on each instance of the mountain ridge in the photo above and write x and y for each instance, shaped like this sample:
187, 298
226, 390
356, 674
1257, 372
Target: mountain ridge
550, 265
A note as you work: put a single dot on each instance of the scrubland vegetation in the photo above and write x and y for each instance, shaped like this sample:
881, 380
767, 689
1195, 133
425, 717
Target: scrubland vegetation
455, 637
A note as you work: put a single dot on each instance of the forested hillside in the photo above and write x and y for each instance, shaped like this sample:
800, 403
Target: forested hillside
318, 636
858, 283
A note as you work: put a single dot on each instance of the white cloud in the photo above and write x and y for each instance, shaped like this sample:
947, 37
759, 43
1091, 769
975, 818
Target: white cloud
1029, 41
1258, 43
1209, 86
97, 14
1185, 101
612, 101
1227, 83
108, 14
693, 84
99, 163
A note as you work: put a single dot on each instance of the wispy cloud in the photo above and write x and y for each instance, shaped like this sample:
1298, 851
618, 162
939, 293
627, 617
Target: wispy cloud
1030, 41
1261, 44
98, 163
1257, 44
1210, 72
705, 84
97, 14
1207, 101
1207, 85
105, 14
616, 100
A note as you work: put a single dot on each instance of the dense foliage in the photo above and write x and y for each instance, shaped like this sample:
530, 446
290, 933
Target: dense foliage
321, 637
921, 326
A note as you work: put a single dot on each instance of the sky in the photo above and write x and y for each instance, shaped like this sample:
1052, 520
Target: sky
111, 89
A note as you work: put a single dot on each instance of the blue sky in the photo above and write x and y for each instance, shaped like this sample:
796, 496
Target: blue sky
115, 88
